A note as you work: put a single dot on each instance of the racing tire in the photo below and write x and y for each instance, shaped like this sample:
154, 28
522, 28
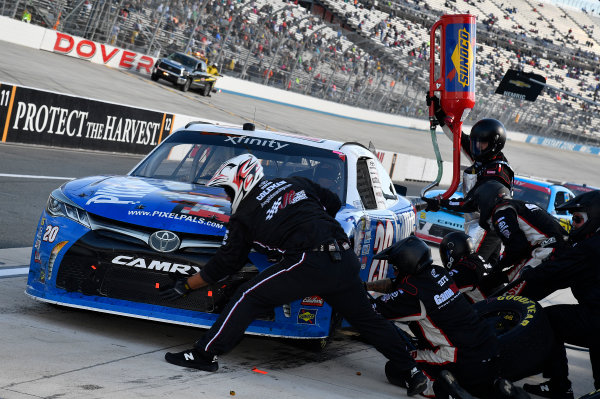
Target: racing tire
525, 337
206, 90
154, 77
592, 395
186, 86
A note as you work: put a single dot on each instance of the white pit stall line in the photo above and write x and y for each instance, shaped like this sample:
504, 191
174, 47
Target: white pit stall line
36, 177
7, 272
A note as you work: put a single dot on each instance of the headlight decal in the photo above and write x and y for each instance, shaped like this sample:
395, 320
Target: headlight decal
53, 255
56, 207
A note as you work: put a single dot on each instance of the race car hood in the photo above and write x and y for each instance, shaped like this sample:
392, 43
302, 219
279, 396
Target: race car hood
153, 203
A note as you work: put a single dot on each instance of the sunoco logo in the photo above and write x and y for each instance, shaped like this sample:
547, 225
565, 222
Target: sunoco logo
462, 57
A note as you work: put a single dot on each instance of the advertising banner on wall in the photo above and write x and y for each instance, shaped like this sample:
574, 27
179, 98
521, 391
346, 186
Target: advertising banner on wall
78, 47
40, 117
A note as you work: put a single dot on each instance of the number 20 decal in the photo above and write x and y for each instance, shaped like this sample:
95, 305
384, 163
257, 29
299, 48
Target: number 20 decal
50, 233
384, 236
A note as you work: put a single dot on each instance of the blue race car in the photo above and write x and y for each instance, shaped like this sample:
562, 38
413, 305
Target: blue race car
108, 243
433, 226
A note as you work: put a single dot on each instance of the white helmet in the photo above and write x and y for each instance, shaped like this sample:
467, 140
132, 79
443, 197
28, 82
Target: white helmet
238, 176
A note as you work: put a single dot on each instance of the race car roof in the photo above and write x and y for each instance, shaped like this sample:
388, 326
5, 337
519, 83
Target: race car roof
267, 134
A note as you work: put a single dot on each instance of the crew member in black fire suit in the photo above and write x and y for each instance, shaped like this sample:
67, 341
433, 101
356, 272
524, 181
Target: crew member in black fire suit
472, 274
291, 220
451, 335
528, 232
484, 148
575, 267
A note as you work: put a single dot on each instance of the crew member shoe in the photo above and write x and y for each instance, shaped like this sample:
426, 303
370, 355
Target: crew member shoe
416, 382
549, 390
504, 389
193, 358
395, 375
447, 384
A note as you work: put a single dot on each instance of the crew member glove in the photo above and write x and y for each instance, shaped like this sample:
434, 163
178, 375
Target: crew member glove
477, 264
433, 204
439, 113
177, 290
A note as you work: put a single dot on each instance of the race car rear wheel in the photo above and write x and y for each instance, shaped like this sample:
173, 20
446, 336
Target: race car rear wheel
186, 85
524, 334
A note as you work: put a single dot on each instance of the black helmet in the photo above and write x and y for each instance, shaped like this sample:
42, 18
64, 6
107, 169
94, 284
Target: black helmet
588, 203
486, 196
407, 256
490, 131
454, 247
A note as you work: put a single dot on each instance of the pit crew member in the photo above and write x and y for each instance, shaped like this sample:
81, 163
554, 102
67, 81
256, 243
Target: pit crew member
451, 335
484, 148
472, 274
292, 221
577, 268
529, 233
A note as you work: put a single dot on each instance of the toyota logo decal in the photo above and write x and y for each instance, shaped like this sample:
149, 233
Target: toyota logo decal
164, 241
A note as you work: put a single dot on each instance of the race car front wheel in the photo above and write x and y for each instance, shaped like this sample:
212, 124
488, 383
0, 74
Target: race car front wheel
524, 334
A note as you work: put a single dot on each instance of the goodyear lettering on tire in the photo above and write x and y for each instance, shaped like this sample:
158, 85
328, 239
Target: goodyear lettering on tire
531, 308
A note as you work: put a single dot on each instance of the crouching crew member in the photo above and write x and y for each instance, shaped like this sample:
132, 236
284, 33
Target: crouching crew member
475, 277
451, 335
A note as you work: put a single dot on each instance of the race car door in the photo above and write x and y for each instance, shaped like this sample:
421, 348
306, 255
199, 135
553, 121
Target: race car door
380, 227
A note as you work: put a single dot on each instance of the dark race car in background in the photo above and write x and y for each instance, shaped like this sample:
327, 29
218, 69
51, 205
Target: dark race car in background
109, 243
433, 226
579, 188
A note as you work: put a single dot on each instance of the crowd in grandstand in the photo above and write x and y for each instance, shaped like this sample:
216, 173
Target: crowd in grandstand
366, 52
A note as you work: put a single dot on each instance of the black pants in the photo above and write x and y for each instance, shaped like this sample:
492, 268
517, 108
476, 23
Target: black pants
299, 276
489, 248
577, 325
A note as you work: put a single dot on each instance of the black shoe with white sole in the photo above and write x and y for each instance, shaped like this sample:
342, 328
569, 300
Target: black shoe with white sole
550, 390
193, 358
416, 382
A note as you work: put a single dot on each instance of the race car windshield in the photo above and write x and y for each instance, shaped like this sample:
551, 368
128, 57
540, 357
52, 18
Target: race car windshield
194, 157
532, 194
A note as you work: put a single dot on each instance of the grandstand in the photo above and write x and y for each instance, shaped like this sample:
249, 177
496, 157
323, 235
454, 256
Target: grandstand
367, 53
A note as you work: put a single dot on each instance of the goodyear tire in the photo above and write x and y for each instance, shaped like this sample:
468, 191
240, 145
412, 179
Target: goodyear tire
524, 334
154, 77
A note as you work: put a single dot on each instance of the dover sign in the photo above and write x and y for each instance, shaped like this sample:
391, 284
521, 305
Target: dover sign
78, 47
41, 117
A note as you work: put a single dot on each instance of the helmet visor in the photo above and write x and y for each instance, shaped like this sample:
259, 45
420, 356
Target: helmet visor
579, 218
478, 147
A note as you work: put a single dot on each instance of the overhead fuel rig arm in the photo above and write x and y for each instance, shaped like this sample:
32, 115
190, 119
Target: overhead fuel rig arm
453, 84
